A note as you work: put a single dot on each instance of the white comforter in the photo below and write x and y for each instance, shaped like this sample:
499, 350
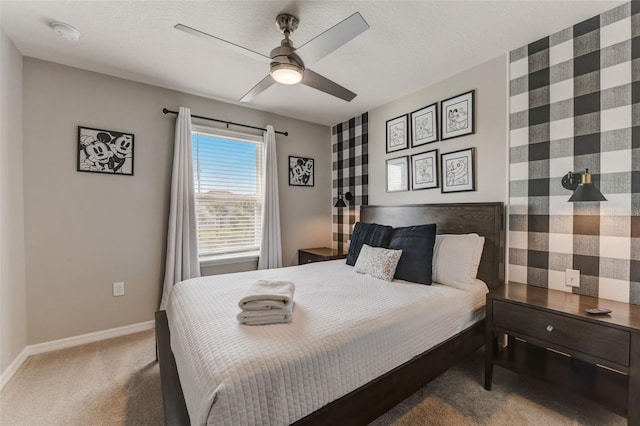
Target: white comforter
347, 329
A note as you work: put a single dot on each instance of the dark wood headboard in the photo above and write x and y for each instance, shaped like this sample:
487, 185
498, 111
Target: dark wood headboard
484, 219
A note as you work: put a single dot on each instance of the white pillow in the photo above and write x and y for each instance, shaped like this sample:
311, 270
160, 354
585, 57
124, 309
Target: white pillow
456, 259
378, 262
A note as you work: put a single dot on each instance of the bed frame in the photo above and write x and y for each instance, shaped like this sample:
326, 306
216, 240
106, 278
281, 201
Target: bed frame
373, 399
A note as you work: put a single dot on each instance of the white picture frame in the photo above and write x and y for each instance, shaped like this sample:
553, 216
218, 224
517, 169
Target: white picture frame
424, 125
458, 116
398, 174
424, 170
458, 171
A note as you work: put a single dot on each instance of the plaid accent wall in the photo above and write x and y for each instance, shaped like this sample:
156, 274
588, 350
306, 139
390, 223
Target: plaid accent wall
575, 104
350, 173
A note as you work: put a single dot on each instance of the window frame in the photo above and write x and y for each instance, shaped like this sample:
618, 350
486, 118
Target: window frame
226, 258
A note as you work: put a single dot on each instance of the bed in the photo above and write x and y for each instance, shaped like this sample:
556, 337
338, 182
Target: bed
381, 381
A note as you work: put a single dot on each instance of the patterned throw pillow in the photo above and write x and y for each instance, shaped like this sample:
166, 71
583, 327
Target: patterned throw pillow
377, 262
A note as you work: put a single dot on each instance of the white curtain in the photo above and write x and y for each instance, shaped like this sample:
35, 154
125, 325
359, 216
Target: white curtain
271, 246
182, 240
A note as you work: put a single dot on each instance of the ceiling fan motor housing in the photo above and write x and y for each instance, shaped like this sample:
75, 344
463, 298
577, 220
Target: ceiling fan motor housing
284, 61
287, 23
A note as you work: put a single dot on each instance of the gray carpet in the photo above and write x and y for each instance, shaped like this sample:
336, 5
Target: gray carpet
111, 382
117, 382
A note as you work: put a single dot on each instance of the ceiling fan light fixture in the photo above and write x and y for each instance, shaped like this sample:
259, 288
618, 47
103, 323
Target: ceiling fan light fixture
287, 73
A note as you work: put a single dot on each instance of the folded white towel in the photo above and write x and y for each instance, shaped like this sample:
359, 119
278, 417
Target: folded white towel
269, 316
268, 295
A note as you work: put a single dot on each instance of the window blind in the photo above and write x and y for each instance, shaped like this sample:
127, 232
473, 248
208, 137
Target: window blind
228, 176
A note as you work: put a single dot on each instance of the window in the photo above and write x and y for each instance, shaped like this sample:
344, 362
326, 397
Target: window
227, 169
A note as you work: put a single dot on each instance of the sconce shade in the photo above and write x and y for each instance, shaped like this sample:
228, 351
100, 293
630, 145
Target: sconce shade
340, 202
584, 189
587, 192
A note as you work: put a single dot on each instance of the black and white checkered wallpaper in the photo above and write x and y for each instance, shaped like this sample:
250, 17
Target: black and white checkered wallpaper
350, 173
575, 104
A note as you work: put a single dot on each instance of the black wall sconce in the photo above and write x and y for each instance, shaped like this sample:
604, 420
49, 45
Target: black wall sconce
584, 189
340, 202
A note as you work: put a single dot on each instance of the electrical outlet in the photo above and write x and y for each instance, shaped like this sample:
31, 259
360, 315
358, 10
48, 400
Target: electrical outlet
572, 278
118, 289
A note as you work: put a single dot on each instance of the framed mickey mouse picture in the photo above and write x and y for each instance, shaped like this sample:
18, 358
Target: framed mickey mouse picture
300, 171
105, 151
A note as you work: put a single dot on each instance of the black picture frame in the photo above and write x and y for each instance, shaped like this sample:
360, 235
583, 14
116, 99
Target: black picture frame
398, 133
458, 116
301, 171
105, 151
424, 170
458, 171
424, 125
398, 176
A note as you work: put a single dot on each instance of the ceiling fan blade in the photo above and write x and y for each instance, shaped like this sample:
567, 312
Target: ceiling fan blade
323, 84
325, 43
221, 42
263, 85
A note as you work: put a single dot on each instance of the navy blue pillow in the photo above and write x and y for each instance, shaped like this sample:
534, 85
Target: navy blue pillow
371, 234
416, 243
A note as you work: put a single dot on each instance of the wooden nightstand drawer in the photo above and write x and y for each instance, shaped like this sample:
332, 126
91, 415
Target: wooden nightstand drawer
319, 254
600, 341
304, 257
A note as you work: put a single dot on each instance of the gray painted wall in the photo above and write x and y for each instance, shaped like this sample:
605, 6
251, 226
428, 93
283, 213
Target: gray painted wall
490, 139
13, 324
87, 230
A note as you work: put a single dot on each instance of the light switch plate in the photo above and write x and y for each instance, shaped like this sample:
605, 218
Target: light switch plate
118, 289
572, 278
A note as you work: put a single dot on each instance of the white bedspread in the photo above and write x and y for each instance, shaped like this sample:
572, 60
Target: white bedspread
347, 329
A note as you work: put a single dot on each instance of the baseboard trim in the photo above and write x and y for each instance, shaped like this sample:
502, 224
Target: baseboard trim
13, 367
68, 342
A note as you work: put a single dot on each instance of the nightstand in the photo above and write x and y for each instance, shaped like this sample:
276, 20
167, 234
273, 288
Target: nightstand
319, 254
550, 336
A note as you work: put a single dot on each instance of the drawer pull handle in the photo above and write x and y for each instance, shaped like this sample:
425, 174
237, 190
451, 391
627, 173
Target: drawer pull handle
549, 328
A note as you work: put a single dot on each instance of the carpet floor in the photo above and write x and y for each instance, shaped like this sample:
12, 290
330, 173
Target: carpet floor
117, 382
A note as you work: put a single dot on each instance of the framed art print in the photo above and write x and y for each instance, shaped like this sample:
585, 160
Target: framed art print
458, 171
424, 125
300, 171
424, 170
397, 133
105, 151
458, 116
398, 174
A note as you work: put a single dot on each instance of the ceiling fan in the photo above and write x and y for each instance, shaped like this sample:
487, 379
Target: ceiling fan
288, 65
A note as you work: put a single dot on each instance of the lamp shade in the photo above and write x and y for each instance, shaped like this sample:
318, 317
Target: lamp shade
340, 203
584, 189
587, 192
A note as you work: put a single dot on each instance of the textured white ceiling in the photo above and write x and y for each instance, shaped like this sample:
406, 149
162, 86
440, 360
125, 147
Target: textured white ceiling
410, 45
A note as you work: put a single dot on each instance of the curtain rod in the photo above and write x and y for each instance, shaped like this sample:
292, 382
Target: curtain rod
167, 111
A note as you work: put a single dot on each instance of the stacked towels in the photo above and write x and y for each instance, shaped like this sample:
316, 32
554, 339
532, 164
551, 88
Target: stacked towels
267, 302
